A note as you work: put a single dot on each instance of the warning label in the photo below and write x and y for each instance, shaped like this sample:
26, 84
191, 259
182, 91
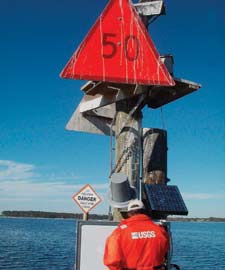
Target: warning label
87, 198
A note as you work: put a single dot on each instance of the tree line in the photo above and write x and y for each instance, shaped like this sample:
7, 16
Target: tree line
41, 214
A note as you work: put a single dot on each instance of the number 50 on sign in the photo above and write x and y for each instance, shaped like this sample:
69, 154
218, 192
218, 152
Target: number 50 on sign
118, 49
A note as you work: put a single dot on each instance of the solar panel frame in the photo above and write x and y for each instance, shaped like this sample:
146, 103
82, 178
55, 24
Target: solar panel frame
165, 200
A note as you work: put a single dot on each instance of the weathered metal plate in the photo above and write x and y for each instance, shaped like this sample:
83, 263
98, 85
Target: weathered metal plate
97, 121
96, 111
99, 94
119, 49
159, 96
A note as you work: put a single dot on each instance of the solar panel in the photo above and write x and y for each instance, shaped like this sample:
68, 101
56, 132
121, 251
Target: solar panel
165, 200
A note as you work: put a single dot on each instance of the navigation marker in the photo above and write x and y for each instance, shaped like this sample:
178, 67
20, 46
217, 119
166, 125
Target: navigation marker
118, 48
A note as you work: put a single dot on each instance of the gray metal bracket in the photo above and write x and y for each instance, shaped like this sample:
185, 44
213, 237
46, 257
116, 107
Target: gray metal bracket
151, 8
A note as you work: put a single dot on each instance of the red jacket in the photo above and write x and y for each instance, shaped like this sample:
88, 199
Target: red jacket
136, 243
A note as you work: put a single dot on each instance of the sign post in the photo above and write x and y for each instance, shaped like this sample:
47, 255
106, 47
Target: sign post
86, 199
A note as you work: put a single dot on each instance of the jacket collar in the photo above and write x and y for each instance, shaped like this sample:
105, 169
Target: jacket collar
138, 217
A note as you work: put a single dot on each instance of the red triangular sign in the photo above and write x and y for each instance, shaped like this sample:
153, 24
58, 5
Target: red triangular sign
119, 49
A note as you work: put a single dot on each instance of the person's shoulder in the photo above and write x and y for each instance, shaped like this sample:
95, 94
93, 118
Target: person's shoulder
157, 226
161, 229
114, 234
122, 225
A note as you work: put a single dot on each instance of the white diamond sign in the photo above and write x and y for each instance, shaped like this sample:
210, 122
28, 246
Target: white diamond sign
87, 198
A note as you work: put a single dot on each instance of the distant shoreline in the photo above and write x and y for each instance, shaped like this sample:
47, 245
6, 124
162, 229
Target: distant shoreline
41, 214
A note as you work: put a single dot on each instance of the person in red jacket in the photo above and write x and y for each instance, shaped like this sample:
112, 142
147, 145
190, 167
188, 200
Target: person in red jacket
137, 242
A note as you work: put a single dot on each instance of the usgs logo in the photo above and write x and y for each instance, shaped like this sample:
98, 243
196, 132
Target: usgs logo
141, 235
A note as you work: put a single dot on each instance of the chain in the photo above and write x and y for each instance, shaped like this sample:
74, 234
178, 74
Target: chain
124, 157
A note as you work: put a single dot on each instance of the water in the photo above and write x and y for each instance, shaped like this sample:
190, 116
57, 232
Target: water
48, 244
36, 244
199, 245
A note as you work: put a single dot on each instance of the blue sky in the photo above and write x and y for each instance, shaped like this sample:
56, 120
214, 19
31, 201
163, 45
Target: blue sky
42, 165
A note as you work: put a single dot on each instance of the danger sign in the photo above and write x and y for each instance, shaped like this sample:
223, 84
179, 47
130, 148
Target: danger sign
86, 198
